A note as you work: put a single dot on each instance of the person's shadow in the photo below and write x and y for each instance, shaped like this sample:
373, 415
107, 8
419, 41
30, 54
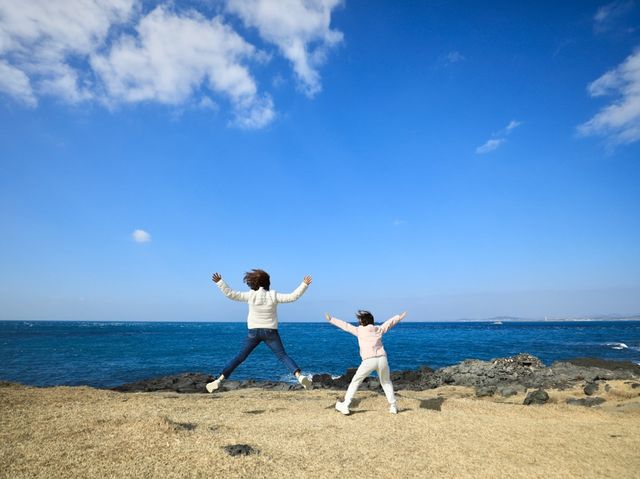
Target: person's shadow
354, 403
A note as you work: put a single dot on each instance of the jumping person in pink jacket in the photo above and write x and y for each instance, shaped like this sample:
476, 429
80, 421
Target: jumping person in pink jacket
374, 357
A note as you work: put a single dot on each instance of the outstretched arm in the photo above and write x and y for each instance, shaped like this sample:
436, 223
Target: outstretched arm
390, 323
299, 291
349, 328
227, 291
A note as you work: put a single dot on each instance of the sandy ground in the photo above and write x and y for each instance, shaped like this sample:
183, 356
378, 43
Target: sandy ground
85, 432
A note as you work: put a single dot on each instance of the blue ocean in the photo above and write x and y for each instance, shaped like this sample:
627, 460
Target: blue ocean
107, 354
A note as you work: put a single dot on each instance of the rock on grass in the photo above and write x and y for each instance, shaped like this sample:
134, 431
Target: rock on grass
435, 404
588, 402
539, 396
590, 388
240, 450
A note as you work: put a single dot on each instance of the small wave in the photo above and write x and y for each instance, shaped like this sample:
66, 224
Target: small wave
617, 346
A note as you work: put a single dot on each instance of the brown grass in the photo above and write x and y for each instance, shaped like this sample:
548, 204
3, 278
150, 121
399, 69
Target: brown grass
84, 432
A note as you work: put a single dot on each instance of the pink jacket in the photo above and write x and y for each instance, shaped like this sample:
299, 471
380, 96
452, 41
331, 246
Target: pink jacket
369, 337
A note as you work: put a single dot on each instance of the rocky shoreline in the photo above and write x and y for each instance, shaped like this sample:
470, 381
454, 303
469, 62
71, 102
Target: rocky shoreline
501, 376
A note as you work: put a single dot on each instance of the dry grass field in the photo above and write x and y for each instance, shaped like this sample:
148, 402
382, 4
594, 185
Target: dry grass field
84, 432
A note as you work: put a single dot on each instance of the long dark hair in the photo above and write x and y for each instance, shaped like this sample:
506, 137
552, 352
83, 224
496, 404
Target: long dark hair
257, 278
365, 317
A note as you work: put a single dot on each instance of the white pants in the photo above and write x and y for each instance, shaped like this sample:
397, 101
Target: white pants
368, 366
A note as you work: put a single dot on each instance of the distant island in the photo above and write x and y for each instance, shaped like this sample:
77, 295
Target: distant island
514, 319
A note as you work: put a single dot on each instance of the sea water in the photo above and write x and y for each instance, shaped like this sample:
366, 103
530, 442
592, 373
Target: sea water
107, 354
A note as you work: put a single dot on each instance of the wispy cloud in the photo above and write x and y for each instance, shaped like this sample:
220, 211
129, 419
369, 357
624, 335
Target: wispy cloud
513, 124
619, 121
398, 222
15, 83
207, 103
141, 236
608, 15
454, 57
114, 53
490, 145
499, 138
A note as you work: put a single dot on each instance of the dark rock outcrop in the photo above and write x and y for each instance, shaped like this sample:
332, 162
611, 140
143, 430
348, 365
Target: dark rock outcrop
196, 382
182, 383
485, 391
592, 370
523, 369
608, 364
503, 376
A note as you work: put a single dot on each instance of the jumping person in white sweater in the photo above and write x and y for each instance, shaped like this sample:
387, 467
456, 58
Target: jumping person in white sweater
262, 321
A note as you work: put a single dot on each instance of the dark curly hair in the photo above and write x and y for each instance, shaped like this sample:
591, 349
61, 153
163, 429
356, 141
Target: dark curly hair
365, 317
257, 278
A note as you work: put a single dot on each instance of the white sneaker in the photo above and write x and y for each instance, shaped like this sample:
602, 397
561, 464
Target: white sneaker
304, 380
212, 386
393, 409
343, 408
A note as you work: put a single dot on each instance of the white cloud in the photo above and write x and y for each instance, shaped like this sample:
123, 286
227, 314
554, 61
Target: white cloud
299, 28
454, 57
618, 122
108, 51
141, 236
40, 38
607, 15
174, 55
15, 82
490, 146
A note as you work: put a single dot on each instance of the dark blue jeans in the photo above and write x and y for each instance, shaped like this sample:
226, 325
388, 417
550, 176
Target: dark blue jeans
271, 338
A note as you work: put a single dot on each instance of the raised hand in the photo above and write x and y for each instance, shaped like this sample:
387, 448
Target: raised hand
307, 280
327, 316
216, 277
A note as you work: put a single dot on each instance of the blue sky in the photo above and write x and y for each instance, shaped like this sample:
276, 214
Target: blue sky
453, 159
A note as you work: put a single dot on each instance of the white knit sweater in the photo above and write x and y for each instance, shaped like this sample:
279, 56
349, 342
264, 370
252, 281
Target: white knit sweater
262, 303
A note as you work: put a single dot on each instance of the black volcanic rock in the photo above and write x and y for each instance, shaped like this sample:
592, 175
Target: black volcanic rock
590, 388
182, 383
504, 376
240, 450
435, 404
523, 369
510, 390
539, 396
606, 364
579, 370
485, 391
322, 380
588, 402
